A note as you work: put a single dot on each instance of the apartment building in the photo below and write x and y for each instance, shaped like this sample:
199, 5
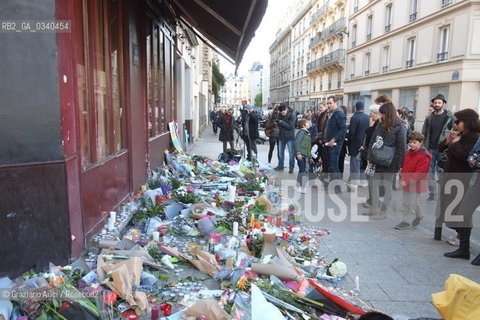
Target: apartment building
280, 52
300, 37
327, 50
234, 90
255, 76
413, 49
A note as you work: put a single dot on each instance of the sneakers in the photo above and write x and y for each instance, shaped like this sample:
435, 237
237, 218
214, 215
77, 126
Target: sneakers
301, 190
290, 170
278, 168
403, 225
416, 221
370, 212
431, 198
363, 184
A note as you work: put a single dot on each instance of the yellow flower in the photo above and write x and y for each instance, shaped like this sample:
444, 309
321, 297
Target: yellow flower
241, 283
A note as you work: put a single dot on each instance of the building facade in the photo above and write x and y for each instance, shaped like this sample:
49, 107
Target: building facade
412, 50
280, 52
300, 37
255, 77
327, 50
234, 91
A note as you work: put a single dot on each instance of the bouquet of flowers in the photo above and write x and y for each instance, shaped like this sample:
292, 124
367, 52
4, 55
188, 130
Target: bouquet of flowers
255, 244
337, 269
185, 195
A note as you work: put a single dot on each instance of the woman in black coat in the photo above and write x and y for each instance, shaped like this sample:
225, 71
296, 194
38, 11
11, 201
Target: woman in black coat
393, 134
457, 173
225, 122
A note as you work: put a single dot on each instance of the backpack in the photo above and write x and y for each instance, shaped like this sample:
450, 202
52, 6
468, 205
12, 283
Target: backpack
229, 155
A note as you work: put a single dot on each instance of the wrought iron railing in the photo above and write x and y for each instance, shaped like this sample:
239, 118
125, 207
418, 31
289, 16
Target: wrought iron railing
335, 56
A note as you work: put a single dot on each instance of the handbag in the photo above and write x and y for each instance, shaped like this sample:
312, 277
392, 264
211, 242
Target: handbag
381, 154
442, 159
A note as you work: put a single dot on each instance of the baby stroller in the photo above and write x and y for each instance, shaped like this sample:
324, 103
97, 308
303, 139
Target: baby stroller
319, 167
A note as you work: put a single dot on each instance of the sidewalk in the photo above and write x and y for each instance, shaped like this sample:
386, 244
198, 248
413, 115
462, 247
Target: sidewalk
398, 269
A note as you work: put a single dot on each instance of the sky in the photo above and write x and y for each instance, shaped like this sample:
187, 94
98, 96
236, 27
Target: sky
264, 37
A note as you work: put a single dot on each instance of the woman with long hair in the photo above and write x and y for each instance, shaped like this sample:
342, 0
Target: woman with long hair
391, 134
457, 173
272, 131
226, 124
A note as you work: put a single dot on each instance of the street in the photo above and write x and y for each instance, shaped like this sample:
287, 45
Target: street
398, 270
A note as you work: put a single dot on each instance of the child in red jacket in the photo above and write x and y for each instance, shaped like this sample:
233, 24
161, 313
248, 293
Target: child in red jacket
414, 181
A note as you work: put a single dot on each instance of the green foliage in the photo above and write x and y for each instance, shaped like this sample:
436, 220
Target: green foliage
218, 80
175, 184
149, 209
155, 252
258, 99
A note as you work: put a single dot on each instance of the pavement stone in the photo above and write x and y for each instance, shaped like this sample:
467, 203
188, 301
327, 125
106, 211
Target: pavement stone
398, 269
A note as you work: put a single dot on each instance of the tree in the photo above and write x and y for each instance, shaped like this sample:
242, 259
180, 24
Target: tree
258, 100
218, 80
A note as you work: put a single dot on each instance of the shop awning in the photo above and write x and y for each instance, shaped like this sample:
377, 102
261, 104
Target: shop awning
229, 25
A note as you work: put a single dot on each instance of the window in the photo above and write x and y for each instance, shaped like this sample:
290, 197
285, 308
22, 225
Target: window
100, 79
413, 10
354, 35
355, 6
388, 18
369, 27
352, 66
386, 59
446, 3
329, 81
339, 79
443, 47
408, 99
411, 53
367, 64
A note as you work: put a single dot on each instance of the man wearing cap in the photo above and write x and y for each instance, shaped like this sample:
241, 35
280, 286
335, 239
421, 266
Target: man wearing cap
436, 128
355, 136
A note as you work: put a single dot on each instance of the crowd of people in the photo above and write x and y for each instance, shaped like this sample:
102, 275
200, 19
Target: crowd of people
384, 151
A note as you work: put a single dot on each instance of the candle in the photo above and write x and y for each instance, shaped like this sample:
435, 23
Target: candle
143, 188
156, 236
155, 312
111, 224
232, 191
113, 215
252, 220
357, 283
235, 229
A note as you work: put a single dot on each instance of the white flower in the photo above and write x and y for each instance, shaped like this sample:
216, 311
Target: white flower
338, 269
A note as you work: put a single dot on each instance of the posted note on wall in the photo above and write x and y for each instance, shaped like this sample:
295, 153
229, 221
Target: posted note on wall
175, 135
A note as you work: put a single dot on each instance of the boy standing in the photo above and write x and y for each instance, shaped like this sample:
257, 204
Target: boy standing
414, 181
302, 147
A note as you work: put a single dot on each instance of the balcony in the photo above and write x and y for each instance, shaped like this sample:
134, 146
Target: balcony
335, 56
387, 28
367, 73
330, 30
446, 3
413, 17
409, 64
369, 37
385, 69
318, 13
443, 56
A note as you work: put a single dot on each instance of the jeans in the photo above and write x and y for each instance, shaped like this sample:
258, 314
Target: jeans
333, 156
354, 170
411, 202
434, 169
281, 154
302, 169
382, 179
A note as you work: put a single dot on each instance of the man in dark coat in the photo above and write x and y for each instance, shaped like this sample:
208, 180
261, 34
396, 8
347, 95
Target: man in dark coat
250, 133
286, 124
213, 119
356, 134
335, 131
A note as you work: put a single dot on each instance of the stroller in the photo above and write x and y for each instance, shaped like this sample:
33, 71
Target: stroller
319, 167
